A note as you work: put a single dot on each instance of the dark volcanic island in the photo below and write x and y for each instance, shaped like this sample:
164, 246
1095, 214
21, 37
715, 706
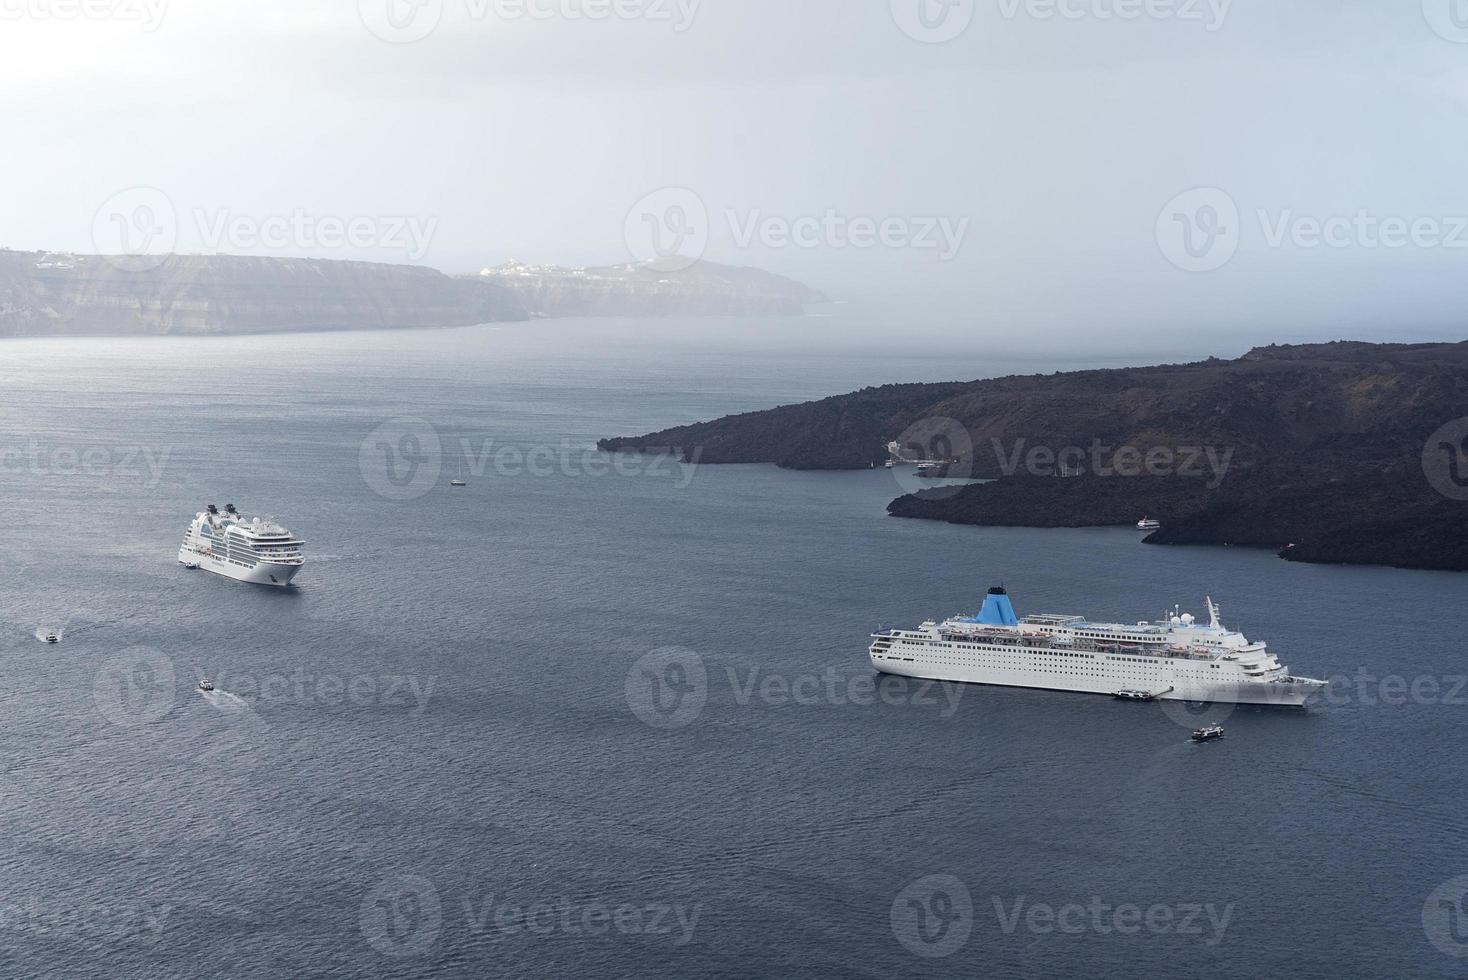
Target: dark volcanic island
1347, 452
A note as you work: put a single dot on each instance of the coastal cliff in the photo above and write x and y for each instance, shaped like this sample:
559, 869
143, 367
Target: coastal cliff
42, 295
51, 294
1316, 451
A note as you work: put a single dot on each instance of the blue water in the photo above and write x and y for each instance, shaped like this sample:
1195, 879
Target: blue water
452, 719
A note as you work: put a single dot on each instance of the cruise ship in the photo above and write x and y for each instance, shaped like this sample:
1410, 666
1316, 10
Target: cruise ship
256, 550
1173, 659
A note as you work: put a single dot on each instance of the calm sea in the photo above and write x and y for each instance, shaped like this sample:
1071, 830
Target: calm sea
575, 720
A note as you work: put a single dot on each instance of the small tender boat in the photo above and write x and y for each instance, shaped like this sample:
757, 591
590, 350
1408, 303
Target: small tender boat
458, 483
1148, 524
52, 638
204, 685
1135, 696
1209, 734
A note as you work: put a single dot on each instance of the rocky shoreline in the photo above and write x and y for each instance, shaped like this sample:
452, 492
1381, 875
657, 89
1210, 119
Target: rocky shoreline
59, 294
1324, 453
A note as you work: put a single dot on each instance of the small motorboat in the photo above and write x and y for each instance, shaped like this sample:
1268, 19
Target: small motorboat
1135, 696
205, 685
1148, 524
458, 483
52, 638
1209, 734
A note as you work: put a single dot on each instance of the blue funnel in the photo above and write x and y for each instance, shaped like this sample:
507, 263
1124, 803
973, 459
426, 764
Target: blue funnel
997, 609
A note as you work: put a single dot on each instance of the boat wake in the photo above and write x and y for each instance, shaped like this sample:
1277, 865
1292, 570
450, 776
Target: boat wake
226, 702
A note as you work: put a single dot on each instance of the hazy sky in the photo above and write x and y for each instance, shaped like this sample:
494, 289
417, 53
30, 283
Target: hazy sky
1018, 161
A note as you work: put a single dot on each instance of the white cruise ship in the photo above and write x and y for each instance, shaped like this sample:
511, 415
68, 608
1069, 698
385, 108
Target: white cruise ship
1174, 659
254, 550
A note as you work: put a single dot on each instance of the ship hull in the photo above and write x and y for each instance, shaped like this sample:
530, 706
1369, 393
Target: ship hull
1163, 688
264, 573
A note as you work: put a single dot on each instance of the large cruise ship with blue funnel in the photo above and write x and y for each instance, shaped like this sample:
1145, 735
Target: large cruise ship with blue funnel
1172, 659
